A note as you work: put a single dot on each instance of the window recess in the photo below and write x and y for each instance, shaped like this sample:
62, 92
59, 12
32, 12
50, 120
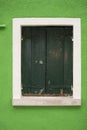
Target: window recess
47, 61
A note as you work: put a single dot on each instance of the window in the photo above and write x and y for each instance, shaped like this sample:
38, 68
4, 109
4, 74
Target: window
46, 61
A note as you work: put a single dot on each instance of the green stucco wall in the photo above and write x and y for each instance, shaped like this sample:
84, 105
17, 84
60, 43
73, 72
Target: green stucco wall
39, 118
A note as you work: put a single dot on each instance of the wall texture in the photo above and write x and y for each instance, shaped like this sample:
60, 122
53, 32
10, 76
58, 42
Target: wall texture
39, 118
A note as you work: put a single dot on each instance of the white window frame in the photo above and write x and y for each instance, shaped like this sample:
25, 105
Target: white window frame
18, 99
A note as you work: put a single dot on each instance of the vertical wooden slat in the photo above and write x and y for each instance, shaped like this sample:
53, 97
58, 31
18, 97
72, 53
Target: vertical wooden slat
54, 60
68, 64
38, 57
26, 59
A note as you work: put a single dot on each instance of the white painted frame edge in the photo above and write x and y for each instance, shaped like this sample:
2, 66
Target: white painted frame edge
18, 99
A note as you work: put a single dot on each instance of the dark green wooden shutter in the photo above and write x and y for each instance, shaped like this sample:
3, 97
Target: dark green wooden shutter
47, 60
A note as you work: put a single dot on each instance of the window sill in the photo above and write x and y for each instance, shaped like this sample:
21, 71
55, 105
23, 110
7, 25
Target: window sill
46, 101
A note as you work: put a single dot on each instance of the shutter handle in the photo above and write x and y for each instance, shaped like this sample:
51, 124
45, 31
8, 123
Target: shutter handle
41, 62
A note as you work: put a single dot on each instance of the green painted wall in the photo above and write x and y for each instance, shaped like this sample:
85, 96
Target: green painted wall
39, 118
